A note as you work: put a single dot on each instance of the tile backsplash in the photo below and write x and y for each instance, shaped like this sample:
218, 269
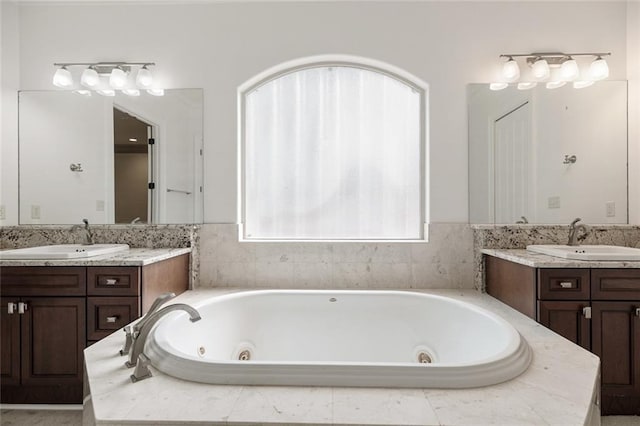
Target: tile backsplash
444, 262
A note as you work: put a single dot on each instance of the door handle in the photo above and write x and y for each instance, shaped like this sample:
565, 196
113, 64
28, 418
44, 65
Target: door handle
11, 308
566, 284
112, 319
638, 312
111, 281
586, 312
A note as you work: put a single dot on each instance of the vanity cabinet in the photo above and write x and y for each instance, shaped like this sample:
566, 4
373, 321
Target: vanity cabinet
596, 308
51, 313
43, 334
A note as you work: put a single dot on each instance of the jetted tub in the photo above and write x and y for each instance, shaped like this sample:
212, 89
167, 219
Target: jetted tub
339, 338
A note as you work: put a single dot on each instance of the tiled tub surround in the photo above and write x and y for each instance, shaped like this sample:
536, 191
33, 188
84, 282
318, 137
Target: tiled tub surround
137, 236
519, 236
443, 262
558, 388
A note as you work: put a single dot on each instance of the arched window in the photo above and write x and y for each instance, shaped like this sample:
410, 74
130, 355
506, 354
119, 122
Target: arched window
333, 151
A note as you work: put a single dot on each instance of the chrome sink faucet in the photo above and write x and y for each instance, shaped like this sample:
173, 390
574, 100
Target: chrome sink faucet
140, 333
574, 227
88, 234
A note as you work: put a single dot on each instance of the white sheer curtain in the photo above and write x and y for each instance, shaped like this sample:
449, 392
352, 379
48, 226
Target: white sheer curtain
332, 153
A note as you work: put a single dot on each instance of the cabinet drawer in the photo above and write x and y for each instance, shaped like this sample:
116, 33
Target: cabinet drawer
108, 314
43, 281
615, 284
113, 281
563, 284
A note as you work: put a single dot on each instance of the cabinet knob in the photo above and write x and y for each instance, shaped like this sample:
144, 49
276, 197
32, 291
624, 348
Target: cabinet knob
22, 307
112, 319
566, 284
586, 312
111, 281
638, 312
11, 308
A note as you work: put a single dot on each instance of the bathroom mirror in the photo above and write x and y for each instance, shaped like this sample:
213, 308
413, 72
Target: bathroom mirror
120, 159
548, 156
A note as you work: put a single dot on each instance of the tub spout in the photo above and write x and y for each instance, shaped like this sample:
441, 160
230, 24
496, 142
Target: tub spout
141, 332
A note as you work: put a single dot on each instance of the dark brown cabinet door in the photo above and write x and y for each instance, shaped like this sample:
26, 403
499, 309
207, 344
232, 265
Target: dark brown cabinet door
53, 338
616, 340
10, 342
567, 318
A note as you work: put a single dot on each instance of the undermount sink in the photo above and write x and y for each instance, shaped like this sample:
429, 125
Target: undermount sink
62, 251
588, 252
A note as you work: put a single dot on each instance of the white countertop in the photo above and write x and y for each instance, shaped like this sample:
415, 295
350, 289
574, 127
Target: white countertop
538, 260
557, 389
131, 257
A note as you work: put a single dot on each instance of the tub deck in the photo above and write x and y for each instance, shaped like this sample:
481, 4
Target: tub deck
558, 388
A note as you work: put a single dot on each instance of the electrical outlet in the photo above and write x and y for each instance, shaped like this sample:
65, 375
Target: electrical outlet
35, 212
3, 212
611, 208
99, 205
553, 202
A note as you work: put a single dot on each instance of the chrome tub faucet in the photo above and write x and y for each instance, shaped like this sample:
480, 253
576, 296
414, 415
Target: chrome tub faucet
140, 333
574, 227
160, 300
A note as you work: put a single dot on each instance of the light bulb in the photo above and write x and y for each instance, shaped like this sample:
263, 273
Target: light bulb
106, 92
526, 85
569, 69
62, 78
555, 84
131, 92
144, 79
90, 78
599, 69
582, 84
156, 92
510, 70
498, 86
118, 78
540, 69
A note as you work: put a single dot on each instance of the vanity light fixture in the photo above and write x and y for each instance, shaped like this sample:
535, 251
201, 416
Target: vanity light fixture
599, 69
107, 76
541, 64
510, 70
117, 78
540, 69
90, 78
62, 78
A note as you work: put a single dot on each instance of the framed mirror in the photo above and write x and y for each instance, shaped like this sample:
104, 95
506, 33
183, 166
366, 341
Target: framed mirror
120, 159
548, 156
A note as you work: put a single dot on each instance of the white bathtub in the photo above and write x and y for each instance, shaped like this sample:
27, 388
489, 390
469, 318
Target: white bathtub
339, 338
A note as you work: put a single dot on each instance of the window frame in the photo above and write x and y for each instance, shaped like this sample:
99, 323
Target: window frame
273, 73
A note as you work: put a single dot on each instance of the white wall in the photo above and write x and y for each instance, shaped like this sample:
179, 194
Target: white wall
219, 46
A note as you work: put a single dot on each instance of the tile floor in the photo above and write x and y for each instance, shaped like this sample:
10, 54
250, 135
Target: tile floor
28, 417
